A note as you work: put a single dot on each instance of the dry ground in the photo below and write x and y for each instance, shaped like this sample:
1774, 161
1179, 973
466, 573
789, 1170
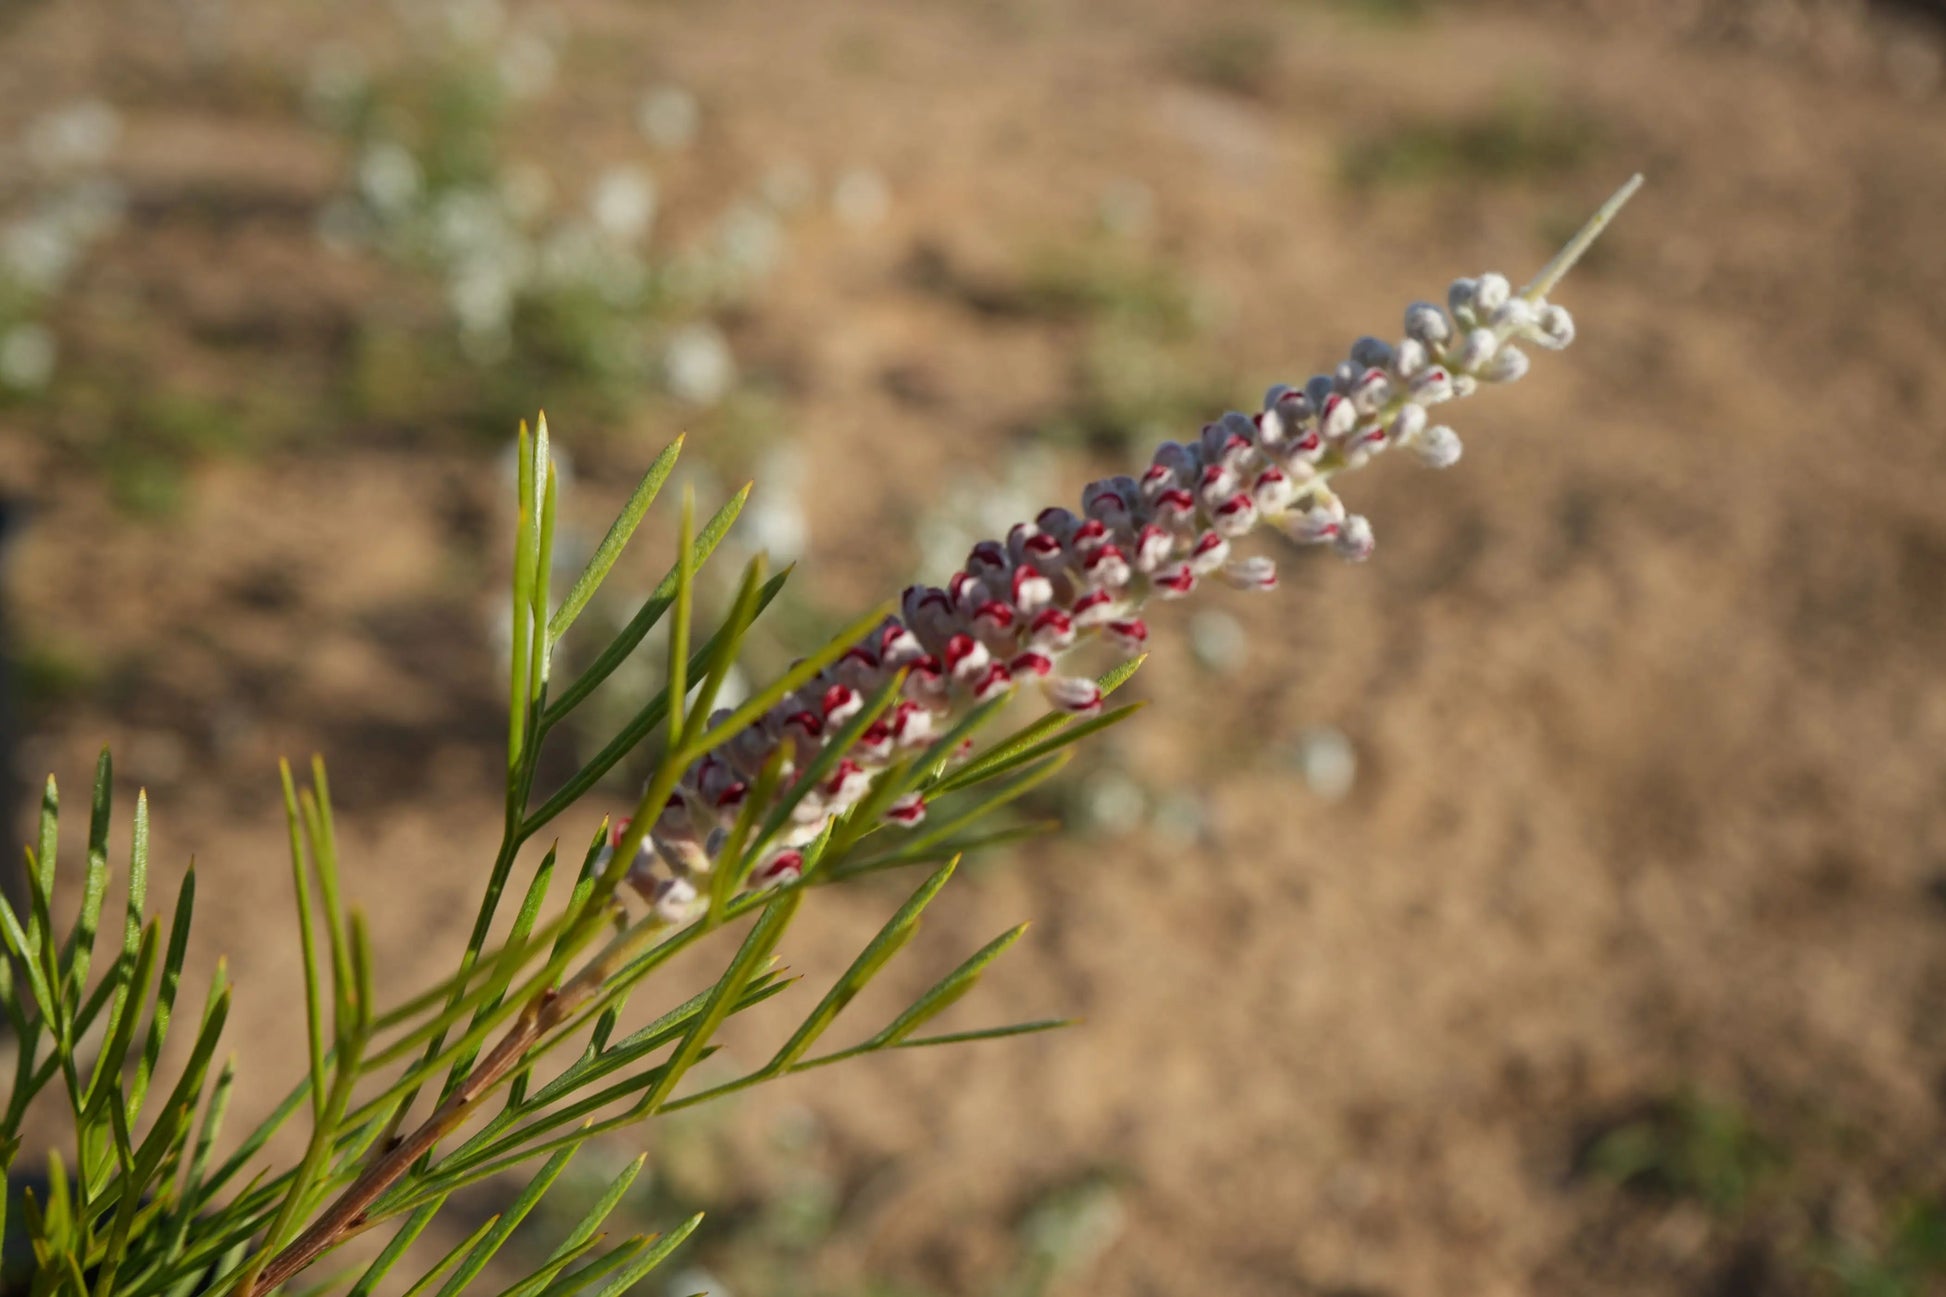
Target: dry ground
1646, 693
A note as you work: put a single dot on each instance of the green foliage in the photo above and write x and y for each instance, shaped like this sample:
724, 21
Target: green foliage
1524, 133
1910, 1263
516, 1053
1690, 1147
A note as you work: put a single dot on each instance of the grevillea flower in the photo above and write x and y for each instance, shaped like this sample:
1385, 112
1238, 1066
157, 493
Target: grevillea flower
1023, 602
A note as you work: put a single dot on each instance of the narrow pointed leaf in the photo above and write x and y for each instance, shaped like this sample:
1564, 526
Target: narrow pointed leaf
877, 953
652, 714
614, 542
647, 616
633, 1273
948, 990
395, 1248
1013, 758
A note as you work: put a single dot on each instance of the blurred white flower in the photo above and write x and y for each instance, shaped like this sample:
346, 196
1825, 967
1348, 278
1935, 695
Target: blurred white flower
1217, 640
669, 116
1114, 803
77, 135
861, 198
697, 365
623, 203
481, 294
1326, 762
37, 253
775, 514
388, 178
27, 355
697, 1282
472, 224
88, 209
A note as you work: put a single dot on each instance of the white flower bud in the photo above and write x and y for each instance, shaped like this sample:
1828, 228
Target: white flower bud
1431, 386
1464, 385
1473, 351
1515, 316
1508, 364
1408, 423
1253, 573
1437, 447
1426, 324
1410, 358
1355, 541
1459, 301
1553, 328
1372, 391
674, 900
1490, 293
1337, 416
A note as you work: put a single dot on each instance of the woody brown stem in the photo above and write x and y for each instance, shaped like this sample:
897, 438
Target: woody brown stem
547, 1010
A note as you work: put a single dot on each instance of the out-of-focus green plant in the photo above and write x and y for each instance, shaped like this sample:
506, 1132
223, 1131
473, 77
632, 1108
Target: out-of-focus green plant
822, 776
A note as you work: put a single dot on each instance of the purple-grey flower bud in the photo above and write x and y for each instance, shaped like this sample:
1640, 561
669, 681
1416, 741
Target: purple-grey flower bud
1371, 353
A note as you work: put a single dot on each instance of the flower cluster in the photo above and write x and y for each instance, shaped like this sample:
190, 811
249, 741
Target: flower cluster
1021, 603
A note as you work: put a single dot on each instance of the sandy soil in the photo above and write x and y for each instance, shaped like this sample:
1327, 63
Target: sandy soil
1646, 693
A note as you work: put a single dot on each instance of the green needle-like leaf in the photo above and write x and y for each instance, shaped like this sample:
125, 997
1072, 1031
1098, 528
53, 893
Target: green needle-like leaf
614, 542
324, 853
633, 1273
41, 877
829, 755
526, 529
989, 1033
543, 649
494, 1239
532, 1285
445, 1263
165, 995
81, 942
408, 1234
649, 614
306, 941
767, 697
678, 670
756, 949
653, 713
949, 989
929, 845
597, 1215
1014, 757
891, 938
989, 762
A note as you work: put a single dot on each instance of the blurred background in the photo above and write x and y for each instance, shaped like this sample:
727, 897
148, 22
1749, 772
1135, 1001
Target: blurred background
1556, 904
